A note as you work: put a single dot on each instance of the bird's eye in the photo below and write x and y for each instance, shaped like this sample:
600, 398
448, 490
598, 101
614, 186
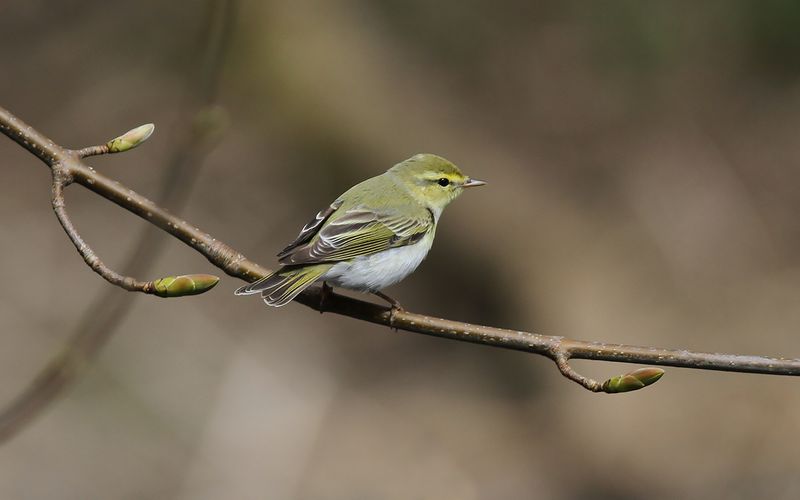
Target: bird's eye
444, 182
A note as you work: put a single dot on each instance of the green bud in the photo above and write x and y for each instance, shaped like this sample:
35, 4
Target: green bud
179, 286
633, 381
130, 139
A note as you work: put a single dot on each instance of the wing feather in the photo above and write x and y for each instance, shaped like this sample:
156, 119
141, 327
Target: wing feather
360, 231
311, 229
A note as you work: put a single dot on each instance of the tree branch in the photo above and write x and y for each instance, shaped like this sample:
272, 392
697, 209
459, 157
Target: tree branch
233, 263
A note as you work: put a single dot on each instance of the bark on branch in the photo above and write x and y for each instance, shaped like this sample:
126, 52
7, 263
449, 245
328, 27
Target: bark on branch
68, 167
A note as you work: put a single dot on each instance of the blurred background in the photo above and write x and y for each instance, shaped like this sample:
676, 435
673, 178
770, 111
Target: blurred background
642, 159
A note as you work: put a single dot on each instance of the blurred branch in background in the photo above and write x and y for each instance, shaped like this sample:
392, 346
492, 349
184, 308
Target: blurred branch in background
71, 168
104, 315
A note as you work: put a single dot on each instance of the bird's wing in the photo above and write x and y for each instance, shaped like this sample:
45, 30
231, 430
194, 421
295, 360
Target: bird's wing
311, 229
361, 231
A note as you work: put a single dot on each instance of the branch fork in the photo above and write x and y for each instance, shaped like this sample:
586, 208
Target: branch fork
62, 170
631, 381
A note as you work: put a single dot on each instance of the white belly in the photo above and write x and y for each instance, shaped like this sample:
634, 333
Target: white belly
379, 270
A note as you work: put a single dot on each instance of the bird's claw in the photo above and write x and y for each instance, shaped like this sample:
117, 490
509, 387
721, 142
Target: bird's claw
395, 307
392, 312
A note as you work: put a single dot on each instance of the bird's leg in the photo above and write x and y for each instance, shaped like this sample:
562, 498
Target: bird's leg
324, 295
394, 303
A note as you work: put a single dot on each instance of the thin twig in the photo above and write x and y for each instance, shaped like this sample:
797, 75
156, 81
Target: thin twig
235, 264
561, 359
60, 181
86, 152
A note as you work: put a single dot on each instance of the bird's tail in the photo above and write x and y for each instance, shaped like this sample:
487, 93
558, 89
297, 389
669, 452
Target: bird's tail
280, 287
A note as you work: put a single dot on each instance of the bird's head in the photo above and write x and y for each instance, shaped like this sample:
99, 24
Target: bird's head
433, 180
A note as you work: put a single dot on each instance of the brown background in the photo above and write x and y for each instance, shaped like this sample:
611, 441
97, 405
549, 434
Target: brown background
642, 160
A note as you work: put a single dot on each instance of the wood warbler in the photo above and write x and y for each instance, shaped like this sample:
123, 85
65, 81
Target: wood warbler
372, 236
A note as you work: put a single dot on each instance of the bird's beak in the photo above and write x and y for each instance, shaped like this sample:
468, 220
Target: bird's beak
473, 183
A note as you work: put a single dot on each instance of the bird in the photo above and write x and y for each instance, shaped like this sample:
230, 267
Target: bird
372, 236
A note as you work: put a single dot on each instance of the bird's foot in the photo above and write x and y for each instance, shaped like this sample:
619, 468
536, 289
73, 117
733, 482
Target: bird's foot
395, 306
324, 296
